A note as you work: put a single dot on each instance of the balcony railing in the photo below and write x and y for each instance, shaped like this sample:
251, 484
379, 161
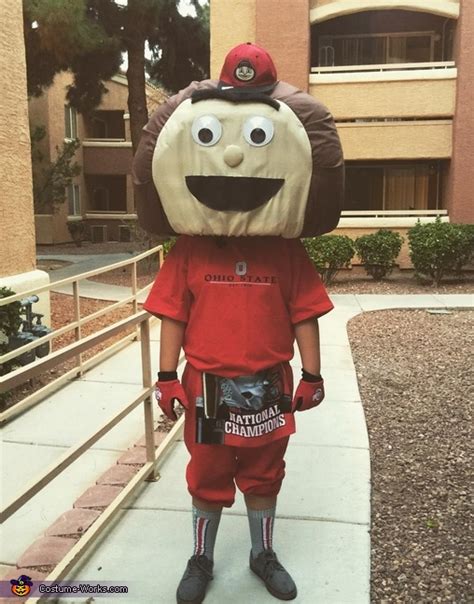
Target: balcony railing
107, 156
390, 213
106, 142
389, 218
382, 67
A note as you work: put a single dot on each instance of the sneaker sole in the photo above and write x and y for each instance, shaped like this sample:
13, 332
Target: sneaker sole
195, 601
277, 594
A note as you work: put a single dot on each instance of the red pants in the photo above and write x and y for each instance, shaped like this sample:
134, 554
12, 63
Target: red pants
214, 470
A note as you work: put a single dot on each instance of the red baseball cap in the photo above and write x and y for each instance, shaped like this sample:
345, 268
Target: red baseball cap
248, 68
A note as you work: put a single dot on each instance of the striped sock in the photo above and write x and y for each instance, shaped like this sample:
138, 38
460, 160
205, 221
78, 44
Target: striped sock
261, 529
205, 525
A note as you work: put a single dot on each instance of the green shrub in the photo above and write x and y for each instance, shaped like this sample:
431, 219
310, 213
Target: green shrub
10, 321
467, 252
440, 248
329, 254
78, 231
167, 245
378, 252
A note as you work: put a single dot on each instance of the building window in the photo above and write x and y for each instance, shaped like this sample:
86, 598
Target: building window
398, 186
73, 200
106, 193
99, 128
105, 124
70, 122
376, 49
101, 199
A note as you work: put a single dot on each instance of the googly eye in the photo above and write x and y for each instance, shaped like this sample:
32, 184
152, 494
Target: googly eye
258, 131
206, 130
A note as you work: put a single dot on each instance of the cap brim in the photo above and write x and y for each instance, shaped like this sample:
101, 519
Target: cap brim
246, 90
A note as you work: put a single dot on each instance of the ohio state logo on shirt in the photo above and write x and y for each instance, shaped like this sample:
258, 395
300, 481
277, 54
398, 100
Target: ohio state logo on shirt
241, 268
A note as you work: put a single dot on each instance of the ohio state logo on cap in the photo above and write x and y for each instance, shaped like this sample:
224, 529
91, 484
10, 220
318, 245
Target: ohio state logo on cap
244, 71
248, 68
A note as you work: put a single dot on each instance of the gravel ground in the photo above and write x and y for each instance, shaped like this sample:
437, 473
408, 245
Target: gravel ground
356, 281
416, 382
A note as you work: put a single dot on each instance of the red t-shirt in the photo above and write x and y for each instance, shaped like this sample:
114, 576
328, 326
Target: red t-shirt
240, 300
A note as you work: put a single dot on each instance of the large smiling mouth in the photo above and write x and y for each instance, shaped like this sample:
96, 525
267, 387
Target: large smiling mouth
233, 193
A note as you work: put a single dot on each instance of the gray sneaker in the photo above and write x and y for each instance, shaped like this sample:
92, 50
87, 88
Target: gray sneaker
193, 585
277, 580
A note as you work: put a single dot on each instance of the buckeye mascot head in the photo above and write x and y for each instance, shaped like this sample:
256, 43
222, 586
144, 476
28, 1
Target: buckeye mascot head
247, 155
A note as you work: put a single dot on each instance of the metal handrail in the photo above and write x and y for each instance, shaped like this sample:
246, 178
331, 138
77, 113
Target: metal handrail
147, 472
87, 275
25, 373
104, 520
153, 456
62, 330
13, 379
17, 377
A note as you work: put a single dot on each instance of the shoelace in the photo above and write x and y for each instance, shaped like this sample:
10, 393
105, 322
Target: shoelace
271, 564
196, 568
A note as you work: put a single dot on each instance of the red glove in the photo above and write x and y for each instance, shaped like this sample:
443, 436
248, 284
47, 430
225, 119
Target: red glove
166, 393
308, 395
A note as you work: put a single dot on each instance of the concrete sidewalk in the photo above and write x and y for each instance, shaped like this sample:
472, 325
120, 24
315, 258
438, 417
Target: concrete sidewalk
81, 263
322, 530
90, 289
323, 524
39, 437
100, 291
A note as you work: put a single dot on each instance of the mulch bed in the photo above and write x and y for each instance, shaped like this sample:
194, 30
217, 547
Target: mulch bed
51, 265
146, 273
416, 383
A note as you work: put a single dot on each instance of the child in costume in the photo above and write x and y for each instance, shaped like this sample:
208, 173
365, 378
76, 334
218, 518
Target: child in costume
240, 168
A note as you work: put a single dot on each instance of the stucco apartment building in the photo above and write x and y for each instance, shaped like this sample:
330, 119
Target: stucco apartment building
396, 74
102, 194
398, 77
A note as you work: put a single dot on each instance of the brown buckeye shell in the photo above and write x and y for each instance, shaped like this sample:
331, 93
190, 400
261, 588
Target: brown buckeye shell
326, 191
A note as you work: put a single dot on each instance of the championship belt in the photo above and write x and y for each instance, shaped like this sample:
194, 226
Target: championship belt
244, 395
211, 394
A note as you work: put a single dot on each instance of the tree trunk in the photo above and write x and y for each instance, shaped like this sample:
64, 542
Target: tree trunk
136, 87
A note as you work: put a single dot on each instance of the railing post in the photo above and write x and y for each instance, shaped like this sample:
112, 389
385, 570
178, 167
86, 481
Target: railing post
77, 318
147, 403
134, 294
161, 256
134, 288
